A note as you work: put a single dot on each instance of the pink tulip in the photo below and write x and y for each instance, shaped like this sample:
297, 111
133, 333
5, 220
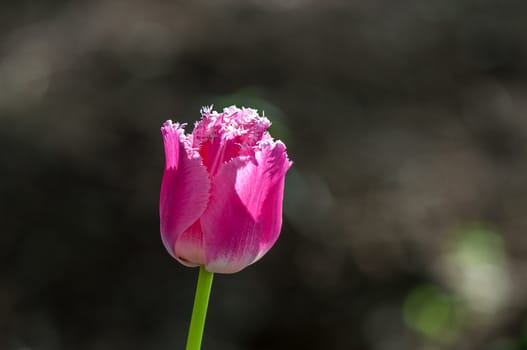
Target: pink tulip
222, 190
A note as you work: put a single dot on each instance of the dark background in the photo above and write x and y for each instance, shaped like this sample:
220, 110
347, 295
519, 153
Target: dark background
405, 210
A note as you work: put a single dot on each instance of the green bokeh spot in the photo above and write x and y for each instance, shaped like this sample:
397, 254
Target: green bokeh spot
433, 313
477, 244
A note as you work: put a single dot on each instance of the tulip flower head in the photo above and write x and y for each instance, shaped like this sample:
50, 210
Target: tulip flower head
222, 190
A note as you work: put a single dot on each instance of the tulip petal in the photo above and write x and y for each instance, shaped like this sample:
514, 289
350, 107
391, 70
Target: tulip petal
184, 191
216, 152
220, 136
244, 215
189, 246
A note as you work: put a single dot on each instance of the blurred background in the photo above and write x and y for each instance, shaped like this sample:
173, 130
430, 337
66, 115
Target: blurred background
405, 210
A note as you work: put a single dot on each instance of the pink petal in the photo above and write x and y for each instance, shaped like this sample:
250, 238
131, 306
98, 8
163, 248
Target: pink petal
216, 152
184, 191
244, 215
221, 137
189, 246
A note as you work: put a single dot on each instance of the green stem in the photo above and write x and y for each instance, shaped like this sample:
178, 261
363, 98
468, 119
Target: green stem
199, 313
